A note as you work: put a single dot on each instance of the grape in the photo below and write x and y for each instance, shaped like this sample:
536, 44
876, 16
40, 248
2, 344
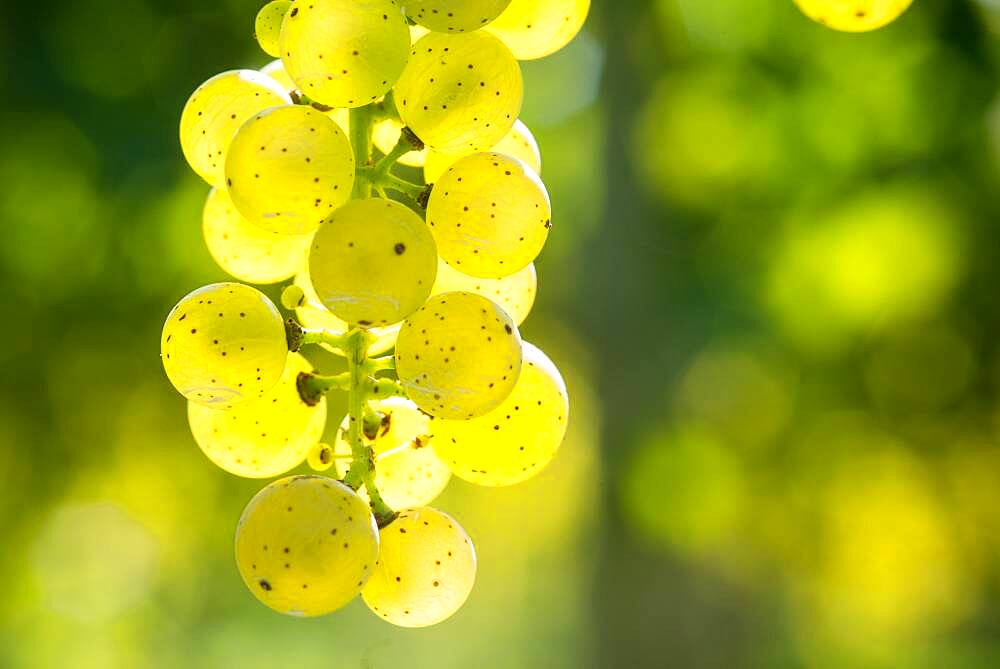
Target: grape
854, 15
265, 437
460, 92
306, 545
320, 457
515, 293
224, 344
536, 28
458, 356
386, 134
448, 16
407, 471
516, 440
373, 262
247, 251
489, 214
518, 143
345, 53
214, 113
288, 168
276, 70
267, 27
425, 572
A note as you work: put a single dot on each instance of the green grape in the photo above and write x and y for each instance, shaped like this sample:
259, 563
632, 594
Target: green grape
267, 27
537, 28
854, 15
373, 262
450, 16
407, 471
288, 168
306, 545
247, 251
385, 135
516, 440
224, 344
425, 572
341, 117
216, 110
265, 437
345, 53
515, 293
518, 143
276, 70
458, 356
320, 457
489, 214
460, 92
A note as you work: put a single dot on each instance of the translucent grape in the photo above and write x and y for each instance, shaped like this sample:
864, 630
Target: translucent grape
373, 262
247, 251
425, 572
489, 214
224, 344
516, 440
407, 471
276, 70
288, 168
306, 545
265, 437
518, 143
216, 110
854, 15
537, 28
460, 92
320, 457
515, 293
345, 53
386, 134
458, 356
450, 16
267, 27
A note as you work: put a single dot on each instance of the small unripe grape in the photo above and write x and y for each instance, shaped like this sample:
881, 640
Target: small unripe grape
516, 440
854, 15
345, 53
450, 16
306, 545
264, 437
460, 92
224, 344
267, 26
515, 293
288, 168
216, 110
490, 215
426, 569
458, 356
321, 457
518, 143
537, 28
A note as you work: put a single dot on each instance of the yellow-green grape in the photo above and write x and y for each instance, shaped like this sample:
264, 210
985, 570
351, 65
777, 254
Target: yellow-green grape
345, 53
373, 262
515, 293
276, 70
516, 440
341, 117
216, 110
247, 251
854, 15
451, 16
267, 27
306, 545
320, 457
518, 143
460, 92
425, 572
288, 168
407, 470
386, 134
537, 28
224, 344
489, 214
265, 437
458, 356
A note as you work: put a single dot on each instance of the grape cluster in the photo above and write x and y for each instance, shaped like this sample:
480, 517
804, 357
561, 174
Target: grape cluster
420, 284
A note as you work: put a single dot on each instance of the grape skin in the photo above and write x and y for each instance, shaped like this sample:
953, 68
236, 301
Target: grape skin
267, 26
537, 28
426, 569
518, 143
265, 437
224, 344
516, 440
306, 545
276, 70
449, 16
854, 15
515, 293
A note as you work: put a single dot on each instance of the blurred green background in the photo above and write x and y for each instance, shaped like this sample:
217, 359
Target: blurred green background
771, 286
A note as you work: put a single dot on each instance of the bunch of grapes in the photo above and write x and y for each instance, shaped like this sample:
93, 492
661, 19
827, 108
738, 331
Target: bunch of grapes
420, 284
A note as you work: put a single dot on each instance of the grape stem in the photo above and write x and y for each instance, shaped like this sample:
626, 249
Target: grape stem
385, 388
299, 336
361, 122
384, 363
312, 387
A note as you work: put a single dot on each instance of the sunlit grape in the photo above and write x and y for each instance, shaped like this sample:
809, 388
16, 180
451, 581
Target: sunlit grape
449, 16
518, 143
854, 15
267, 26
515, 293
536, 28
276, 70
